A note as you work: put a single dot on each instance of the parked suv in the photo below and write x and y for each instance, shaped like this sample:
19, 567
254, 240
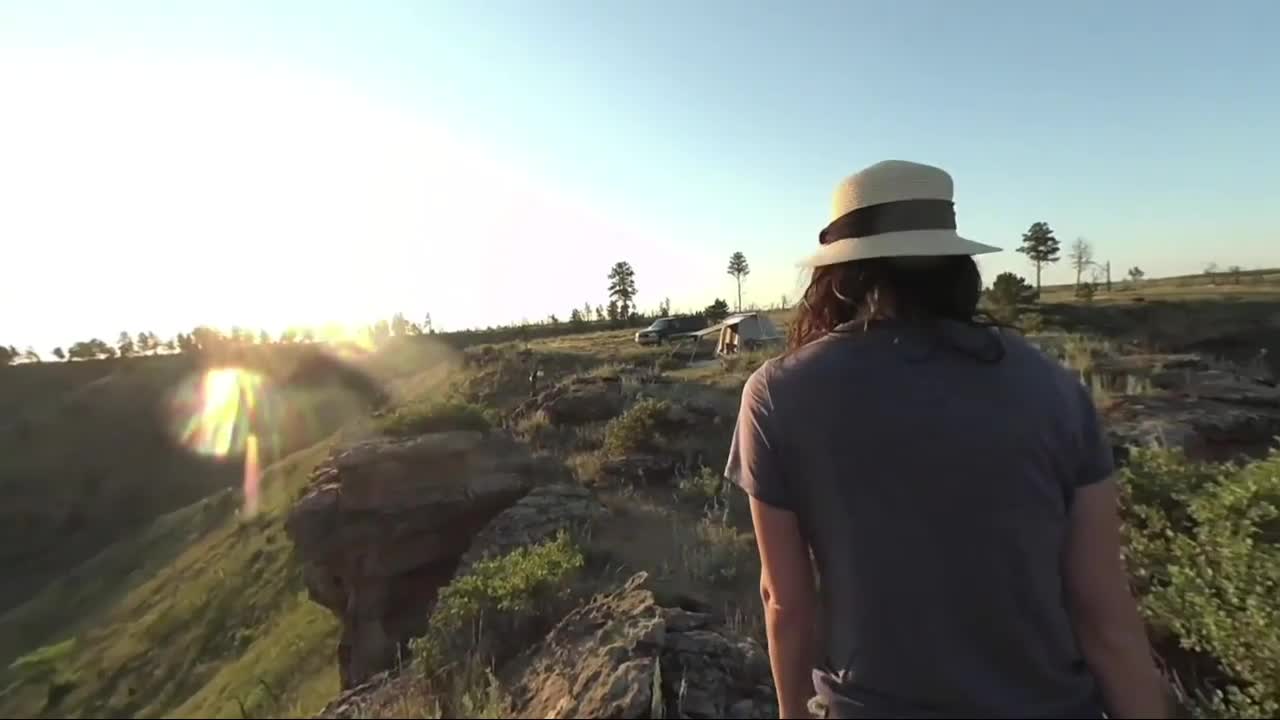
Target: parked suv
671, 328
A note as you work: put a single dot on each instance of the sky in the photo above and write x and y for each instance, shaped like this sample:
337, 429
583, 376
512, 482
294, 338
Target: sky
167, 164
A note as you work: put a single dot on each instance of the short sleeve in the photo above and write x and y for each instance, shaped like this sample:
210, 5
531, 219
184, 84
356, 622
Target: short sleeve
1096, 462
754, 463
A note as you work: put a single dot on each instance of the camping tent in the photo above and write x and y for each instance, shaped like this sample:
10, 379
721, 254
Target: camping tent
743, 331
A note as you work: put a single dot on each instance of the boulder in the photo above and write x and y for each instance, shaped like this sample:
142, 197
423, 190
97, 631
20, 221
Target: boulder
638, 470
1203, 427
624, 656
382, 527
581, 400
536, 517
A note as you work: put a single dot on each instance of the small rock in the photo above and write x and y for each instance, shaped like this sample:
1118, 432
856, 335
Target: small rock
638, 470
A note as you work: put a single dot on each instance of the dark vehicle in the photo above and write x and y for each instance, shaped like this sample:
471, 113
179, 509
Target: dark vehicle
671, 328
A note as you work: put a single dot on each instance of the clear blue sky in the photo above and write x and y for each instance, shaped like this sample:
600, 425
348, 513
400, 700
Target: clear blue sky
170, 163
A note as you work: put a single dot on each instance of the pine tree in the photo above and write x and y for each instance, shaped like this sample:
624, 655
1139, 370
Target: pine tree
1040, 247
622, 289
739, 269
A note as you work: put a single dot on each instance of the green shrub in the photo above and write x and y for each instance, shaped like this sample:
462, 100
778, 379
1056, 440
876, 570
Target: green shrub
44, 662
705, 487
505, 598
1202, 549
719, 554
639, 429
49, 664
1009, 291
435, 416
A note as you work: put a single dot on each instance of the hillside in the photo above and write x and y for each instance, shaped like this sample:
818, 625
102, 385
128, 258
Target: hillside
91, 451
205, 611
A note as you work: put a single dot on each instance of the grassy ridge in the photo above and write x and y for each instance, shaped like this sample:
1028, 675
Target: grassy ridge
211, 618
91, 451
203, 611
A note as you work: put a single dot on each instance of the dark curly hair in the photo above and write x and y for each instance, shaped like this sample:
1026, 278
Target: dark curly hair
920, 291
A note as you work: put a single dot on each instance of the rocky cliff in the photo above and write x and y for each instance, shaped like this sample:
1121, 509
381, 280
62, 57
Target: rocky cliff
383, 526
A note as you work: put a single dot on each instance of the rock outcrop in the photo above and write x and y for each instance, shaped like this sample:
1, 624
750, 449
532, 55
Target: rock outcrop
621, 655
638, 470
1211, 412
578, 401
536, 517
384, 524
624, 656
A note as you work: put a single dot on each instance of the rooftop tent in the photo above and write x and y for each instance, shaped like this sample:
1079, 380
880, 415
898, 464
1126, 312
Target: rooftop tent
744, 331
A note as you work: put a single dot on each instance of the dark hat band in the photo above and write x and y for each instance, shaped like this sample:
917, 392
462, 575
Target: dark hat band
896, 216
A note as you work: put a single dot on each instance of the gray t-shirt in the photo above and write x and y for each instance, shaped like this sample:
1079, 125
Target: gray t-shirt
933, 489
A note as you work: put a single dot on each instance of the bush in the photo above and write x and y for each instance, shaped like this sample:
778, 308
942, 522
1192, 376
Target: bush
639, 429
49, 664
720, 554
706, 487
1010, 290
435, 417
44, 662
507, 598
1202, 549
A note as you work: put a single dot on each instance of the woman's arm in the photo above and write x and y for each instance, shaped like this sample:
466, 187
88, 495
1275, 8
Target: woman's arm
790, 605
1104, 611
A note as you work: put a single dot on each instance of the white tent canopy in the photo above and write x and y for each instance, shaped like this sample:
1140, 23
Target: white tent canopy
742, 331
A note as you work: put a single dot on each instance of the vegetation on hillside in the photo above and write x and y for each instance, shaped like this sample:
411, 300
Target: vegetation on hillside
1203, 546
211, 621
203, 611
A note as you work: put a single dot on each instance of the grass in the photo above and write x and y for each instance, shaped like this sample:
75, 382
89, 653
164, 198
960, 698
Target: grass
705, 488
198, 611
435, 416
226, 607
719, 554
115, 435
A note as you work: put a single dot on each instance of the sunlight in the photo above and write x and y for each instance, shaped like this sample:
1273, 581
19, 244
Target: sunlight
225, 401
222, 413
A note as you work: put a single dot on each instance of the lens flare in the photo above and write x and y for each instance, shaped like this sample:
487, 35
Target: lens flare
226, 412
218, 410
252, 476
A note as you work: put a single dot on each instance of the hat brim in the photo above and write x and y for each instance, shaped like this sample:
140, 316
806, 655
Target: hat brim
908, 243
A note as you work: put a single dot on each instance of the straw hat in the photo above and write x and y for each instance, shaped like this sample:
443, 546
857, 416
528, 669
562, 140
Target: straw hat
894, 208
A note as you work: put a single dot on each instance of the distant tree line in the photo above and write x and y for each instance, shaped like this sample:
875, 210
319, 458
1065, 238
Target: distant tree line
620, 310
208, 339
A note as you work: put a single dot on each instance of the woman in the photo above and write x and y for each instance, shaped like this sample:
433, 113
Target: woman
932, 497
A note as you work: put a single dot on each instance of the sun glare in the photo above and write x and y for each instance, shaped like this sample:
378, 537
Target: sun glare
218, 418
225, 412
